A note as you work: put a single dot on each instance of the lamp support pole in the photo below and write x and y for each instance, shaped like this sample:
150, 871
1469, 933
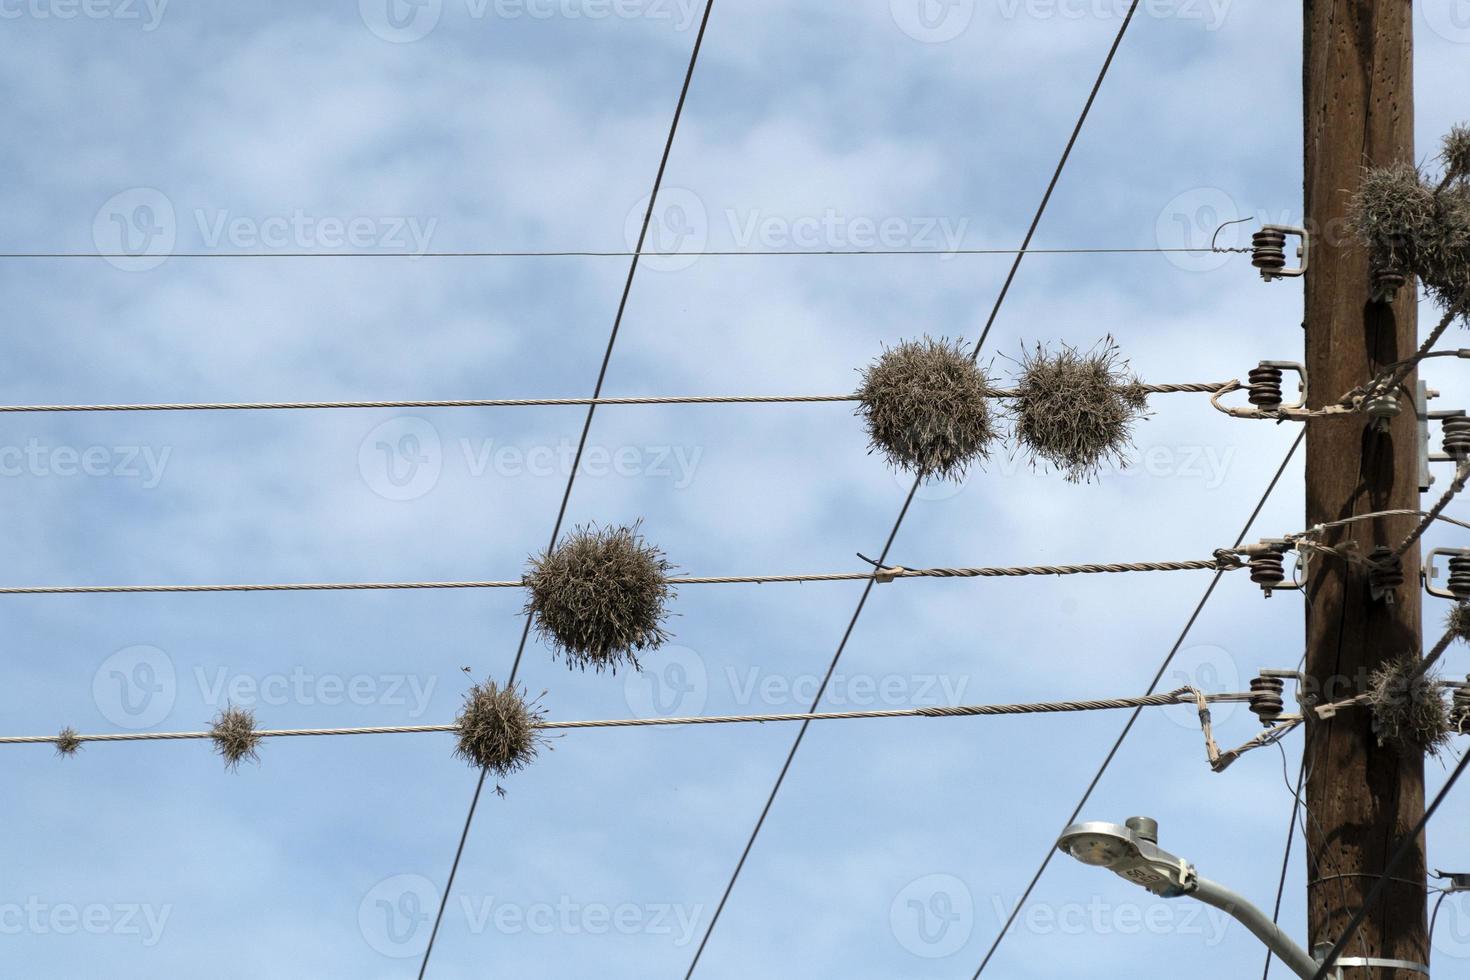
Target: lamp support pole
1259, 923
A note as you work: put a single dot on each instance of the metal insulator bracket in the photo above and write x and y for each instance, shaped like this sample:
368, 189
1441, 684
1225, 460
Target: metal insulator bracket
1266, 393
1422, 394
1268, 251
1386, 283
1385, 574
1266, 699
1455, 430
1457, 587
1267, 564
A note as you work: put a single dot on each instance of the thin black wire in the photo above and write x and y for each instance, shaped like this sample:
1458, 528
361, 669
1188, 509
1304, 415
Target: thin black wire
1296, 803
1055, 177
581, 445
1434, 918
903, 512
1123, 735
591, 254
1411, 841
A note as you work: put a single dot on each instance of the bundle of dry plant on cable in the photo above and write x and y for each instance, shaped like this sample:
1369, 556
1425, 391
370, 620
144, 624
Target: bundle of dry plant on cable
1409, 710
67, 742
600, 596
235, 737
1075, 410
927, 407
497, 729
1415, 226
1458, 621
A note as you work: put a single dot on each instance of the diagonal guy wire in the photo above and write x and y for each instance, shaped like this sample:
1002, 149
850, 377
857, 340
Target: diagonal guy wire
581, 443
908, 501
1127, 728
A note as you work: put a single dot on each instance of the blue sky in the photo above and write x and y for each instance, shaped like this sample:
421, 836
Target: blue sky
897, 847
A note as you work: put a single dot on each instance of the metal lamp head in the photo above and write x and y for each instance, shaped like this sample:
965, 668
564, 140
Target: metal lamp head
1131, 852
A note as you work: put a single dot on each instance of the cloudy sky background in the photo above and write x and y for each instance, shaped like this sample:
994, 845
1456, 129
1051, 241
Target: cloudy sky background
896, 847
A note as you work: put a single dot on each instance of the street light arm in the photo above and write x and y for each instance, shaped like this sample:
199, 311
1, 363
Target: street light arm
1297, 959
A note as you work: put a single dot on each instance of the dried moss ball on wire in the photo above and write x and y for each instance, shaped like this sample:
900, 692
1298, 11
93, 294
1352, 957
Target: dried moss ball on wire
927, 407
1393, 213
1409, 711
1458, 621
68, 742
234, 735
1075, 410
1456, 153
497, 729
1413, 226
600, 596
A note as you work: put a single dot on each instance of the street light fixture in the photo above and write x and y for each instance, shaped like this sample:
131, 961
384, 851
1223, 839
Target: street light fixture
1133, 852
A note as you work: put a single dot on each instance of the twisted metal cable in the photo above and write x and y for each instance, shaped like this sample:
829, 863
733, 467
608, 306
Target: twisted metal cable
908, 500
1462, 474
1395, 374
881, 575
594, 254
1184, 695
1201, 387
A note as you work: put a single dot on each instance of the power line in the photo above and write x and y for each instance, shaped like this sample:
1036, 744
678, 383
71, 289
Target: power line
566, 497
1195, 387
1223, 561
1184, 695
1296, 803
591, 254
1020, 254
1127, 728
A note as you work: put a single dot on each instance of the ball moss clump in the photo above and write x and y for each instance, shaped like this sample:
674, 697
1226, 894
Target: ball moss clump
927, 407
68, 742
1409, 711
1458, 621
1414, 227
498, 729
1456, 153
235, 737
1075, 410
1394, 215
600, 596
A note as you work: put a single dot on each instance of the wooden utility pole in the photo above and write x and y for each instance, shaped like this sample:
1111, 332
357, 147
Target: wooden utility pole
1361, 798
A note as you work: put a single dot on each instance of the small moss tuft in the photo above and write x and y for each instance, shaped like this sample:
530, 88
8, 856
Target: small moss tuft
1456, 153
235, 737
1409, 710
497, 729
1458, 621
68, 742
